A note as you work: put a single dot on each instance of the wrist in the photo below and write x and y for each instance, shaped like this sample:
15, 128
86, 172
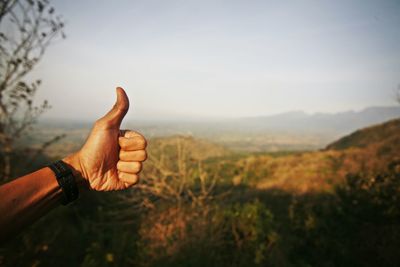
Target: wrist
74, 163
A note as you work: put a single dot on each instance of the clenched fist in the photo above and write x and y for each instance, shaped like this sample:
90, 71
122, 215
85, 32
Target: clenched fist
111, 159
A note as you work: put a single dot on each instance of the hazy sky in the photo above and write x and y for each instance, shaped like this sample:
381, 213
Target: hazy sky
222, 58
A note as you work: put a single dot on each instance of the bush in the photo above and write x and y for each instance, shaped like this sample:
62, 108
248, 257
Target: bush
358, 226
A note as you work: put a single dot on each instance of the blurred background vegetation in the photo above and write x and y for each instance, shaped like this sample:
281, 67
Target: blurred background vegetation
212, 198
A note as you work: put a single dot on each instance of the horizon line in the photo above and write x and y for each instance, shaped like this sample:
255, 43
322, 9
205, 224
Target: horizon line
181, 117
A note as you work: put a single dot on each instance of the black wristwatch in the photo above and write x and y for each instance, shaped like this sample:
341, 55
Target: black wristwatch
66, 180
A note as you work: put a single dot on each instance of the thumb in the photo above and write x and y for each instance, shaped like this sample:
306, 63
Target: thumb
117, 113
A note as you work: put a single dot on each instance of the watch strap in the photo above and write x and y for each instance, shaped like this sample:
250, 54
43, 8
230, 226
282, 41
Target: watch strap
66, 180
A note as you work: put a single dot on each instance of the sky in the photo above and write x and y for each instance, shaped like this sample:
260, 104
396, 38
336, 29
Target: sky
221, 59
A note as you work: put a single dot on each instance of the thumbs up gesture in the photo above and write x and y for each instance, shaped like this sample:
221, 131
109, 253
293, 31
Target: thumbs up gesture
110, 159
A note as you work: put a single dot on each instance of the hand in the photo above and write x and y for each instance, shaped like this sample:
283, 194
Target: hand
110, 159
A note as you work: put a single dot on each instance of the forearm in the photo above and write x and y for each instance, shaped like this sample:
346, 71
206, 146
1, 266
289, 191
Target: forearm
26, 199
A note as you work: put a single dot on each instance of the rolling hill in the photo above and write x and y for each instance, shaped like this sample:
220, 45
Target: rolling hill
367, 151
388, 132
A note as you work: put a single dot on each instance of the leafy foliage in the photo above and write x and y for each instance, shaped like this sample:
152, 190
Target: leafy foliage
358, 226
27, 28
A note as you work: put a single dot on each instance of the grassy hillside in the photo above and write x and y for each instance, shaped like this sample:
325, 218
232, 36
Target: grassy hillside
388, 132
365, 151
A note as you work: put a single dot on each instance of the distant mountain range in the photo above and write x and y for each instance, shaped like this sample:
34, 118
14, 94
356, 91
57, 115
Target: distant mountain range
294, 130
293, 122
337, 123
289, 122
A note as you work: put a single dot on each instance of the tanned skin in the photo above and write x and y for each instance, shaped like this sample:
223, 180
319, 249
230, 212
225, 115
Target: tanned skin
110, 159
